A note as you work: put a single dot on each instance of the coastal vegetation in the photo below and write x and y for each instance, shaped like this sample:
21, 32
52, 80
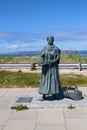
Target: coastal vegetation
19, 59
65, 58
73, 58
20, 79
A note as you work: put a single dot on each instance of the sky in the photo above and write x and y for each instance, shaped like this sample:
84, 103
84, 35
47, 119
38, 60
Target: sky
25, 24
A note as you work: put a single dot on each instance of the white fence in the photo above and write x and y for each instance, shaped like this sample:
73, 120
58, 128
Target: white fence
79, 66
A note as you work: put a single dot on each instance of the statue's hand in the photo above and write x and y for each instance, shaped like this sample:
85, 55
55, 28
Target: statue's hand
39, 63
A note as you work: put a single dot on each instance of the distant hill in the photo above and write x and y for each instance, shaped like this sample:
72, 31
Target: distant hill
37, 53
24, 53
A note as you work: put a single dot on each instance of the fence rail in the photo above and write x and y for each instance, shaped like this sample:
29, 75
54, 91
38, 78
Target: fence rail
79, 66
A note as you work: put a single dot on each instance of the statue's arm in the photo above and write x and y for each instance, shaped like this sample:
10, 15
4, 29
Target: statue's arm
42, 61
57, 59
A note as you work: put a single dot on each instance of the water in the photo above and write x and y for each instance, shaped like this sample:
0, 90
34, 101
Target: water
82, 53
37, 53
27, 53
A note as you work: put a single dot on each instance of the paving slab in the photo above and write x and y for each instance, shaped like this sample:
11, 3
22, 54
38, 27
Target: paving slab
3, 92
52, 116
14, 92
77, 113
5, 103
1, 127
30, 114
76, 119
76, 124
30, 92
4, 116
50, 127
20, 125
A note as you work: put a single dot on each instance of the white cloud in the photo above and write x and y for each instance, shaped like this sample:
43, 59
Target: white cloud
25, 45
12, 47
75, 39
72, 45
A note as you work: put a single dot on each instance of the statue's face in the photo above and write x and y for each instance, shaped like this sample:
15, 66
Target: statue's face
50, 40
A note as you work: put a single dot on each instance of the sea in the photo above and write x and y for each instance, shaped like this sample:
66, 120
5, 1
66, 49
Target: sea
80, 52
37, 53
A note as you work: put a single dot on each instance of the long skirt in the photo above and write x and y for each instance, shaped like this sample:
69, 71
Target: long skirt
50, 82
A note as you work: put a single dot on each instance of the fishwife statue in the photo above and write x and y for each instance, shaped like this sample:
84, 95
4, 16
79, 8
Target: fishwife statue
50, 58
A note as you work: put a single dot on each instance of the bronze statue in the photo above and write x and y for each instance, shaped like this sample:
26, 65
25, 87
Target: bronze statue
50, 58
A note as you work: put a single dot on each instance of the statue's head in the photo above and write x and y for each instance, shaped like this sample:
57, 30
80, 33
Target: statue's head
50, 40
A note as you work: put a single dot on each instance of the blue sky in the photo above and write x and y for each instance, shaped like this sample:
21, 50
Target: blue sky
25, 24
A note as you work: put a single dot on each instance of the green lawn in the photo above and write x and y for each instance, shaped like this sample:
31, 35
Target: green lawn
20, 79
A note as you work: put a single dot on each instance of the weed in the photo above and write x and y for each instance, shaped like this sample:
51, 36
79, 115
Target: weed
71, 107
20, 107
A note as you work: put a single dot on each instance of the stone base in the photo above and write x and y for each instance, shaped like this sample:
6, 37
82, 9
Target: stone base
34, 102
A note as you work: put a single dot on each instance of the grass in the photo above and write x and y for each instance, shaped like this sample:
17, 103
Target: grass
20, 79
71, 79
65, 58
72, 58
22, 59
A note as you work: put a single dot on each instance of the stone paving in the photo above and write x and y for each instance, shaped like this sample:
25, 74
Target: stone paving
41, 118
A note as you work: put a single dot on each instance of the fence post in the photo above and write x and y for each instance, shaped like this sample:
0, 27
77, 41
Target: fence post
80, 66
